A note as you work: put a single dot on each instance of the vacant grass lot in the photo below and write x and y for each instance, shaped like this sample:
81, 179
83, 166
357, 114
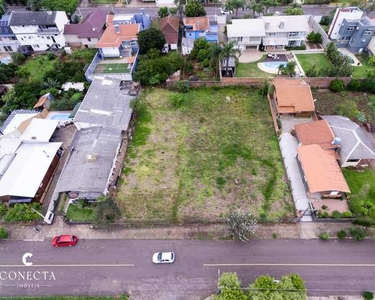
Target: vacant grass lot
319, 60
198, 161
362, 186
251, 70
38, 66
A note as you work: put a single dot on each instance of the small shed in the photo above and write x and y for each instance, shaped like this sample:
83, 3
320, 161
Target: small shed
44, 101
228, 67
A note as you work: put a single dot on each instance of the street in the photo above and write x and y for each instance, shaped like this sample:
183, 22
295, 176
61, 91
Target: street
108, 267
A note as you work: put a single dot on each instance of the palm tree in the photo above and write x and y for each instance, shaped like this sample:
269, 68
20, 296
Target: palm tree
214, 60
227, 51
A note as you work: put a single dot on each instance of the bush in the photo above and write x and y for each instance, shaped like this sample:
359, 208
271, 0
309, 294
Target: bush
337, 86
346, 214
177, 100
324, 207
22, 212
325, 214
320, 214
354, 85
51, 56
342, 234
324, 236
314, 37
3, 233
182, 87
363, 222
336, 214
348, 109
18, 58
357, 233
3, 210
368, 295
371, 61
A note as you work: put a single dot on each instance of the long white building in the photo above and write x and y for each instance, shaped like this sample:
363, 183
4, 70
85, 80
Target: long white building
39, 30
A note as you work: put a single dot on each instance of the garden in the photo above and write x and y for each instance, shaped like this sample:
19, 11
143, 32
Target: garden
198, 155
251, 70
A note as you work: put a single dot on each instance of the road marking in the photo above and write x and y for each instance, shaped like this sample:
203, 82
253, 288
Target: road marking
69, 265
289, 265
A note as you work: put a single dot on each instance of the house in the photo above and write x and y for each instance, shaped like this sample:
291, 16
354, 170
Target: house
28, 161
8, 40
357, 147
44, 101
170, 27
104, 123
248, 33
321, 172
18, 121
86, 34
355, 35
39, 30
348, 13
144, 20
285, 31
292, 97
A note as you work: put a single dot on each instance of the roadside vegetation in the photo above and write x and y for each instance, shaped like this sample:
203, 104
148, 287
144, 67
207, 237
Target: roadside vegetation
201, 154
120, 297
20, 212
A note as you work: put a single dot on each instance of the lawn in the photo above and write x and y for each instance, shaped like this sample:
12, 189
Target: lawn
362, 186
360, 72
77, 214
122, 297
112, 68
319, 60
38, 66
202, 157
251, 70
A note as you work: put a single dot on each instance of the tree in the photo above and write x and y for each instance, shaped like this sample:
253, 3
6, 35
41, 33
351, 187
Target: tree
230, 288
3, 233
3, 7
229, 50
163, 12
22, 212
257, 8
232, 5
69, 6
194, 9
293, 11
7, 72
241, 226
314, 37
173, 11
106, 212
151, 38
291, 68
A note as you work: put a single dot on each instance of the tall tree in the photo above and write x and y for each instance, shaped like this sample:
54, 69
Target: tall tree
163, 12
230, 288
3, 8
194, 9
257, 8
69, 6
293, 11
150, 38
232, 5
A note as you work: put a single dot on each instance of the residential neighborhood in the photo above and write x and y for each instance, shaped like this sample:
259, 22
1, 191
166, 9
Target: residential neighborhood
187, 150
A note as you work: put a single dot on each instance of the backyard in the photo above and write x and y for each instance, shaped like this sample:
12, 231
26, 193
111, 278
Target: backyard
39, 65
319, 60
199, 155
80, 214
360, 72
251, 70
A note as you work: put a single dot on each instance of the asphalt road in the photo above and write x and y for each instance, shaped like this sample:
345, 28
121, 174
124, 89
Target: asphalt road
107, 267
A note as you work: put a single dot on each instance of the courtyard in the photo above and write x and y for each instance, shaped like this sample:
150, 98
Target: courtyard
199, 155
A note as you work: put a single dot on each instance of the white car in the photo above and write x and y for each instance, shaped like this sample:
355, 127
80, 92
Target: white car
225, 12
163, 258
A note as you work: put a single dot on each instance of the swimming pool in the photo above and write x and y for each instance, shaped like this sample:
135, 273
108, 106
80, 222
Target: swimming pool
60, 116
272, 66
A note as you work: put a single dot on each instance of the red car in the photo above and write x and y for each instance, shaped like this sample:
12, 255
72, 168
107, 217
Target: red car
64, 241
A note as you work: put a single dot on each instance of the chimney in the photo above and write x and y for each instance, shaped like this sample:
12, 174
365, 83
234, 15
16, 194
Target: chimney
281, 25
117, 28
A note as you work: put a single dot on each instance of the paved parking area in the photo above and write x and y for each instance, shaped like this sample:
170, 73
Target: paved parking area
249, 56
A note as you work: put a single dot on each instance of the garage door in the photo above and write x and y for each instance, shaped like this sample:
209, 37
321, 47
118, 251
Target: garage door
251, 47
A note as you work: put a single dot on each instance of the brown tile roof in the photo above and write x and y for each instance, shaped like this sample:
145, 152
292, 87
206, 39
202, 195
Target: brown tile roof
111, 38
109, 19
318, 132
41, 100
293, 95
321, 170
198, 23
170, 26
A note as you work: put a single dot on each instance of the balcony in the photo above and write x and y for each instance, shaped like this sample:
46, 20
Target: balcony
48, 31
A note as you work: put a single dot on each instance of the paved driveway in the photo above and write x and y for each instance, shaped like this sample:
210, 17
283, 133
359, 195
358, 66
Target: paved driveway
249, 56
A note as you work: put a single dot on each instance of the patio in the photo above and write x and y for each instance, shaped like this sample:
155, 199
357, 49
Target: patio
248, 56
332, 205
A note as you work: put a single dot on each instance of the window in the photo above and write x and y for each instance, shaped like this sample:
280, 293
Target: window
89, 39
271, 33
367, 32
48, 38
350, 28
353, 160
291, 34
345, 39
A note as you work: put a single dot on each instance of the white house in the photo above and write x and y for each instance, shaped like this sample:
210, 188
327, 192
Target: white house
39, 30
285, 31
348, 13
248, 33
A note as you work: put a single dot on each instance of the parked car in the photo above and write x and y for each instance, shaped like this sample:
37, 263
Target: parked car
225, 12
163, 258
64, 241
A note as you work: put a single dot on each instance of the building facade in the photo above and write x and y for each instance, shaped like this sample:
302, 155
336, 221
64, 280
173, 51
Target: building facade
348, 13
8, 40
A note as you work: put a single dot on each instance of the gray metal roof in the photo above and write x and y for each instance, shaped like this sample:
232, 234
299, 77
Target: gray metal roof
17, 112
24, 18
107, 103
356, 143
89, 166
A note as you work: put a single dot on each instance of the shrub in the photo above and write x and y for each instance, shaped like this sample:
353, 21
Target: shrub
314, 37
312, 72
357, 233
3, 210
346, 214
337, 86
371, 61
354, 85
324, 207
348, 109
51, 56
22, 212
274, 235
336, 214
3, 233
324, 236
182, 87
363, 222
368, 295
325, 214
342, 234
320, 214
177, 100
18, 58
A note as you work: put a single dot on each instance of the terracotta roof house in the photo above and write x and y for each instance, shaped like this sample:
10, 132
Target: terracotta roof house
44, 101
170, 27
321, 172
293, 97
88, 32
357, 147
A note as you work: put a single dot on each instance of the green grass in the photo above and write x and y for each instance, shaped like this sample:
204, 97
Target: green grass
121, 297
74, 213
38, 66
360, 72
251, 70
362, 186
112, 68
104, 1
203, 158
319, 60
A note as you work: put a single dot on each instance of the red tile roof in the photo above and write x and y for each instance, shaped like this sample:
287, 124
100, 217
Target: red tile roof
111, 38
170, 26
318, 132
198, 23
